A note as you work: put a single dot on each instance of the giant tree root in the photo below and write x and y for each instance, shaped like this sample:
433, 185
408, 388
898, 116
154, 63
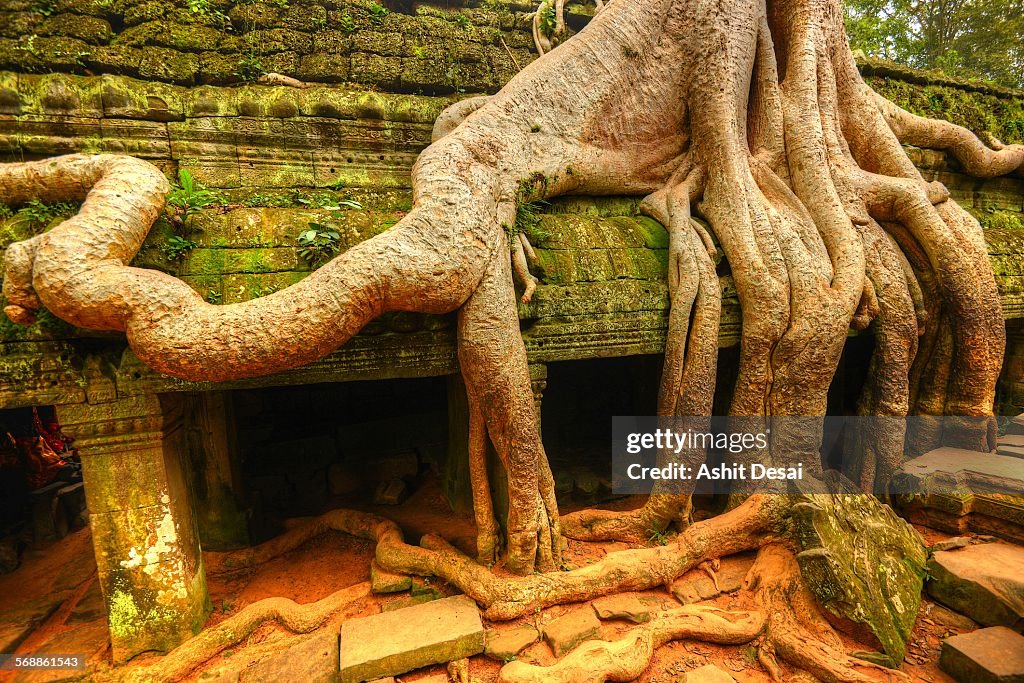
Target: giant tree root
625, 659
797, 632
757, 521
294, 617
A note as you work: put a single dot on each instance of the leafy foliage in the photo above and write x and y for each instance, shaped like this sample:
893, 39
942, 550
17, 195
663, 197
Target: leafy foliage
187, 197
378, 12
546, 12
43, 214
319, 244
249, 68
963, 38
177, 246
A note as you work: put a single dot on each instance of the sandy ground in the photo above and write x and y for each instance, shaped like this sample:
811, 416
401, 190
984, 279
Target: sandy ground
55, 596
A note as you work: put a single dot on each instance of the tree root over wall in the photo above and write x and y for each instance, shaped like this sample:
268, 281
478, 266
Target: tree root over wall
744, 124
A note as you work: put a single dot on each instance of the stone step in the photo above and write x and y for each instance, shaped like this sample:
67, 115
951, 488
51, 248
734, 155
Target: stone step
983, 581
569, 630
957, 467
392, 643
504, 644
989, 655
961, 491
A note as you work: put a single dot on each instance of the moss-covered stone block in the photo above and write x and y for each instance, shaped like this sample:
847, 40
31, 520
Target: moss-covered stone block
863, 563
384, 72
92, 30
324, 67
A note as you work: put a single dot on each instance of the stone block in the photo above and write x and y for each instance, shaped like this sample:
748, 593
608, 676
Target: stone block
629, 607
394, 642
314, 660
391, 492
984, 581
383, 581
569, 630
504, 644
989, 655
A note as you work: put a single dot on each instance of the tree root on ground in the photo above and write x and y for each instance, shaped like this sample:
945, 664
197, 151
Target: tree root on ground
296, 618
788, 621
625, 659
797, 632
754, 523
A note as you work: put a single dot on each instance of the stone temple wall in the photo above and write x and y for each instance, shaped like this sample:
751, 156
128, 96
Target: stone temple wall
175, 89
173, 85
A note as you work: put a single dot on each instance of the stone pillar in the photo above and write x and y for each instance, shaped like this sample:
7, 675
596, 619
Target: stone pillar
144, 535
216, 480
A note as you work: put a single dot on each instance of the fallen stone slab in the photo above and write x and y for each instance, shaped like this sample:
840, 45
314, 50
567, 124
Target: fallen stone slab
569, 630
696, 585
314, 660
394, 642
1012, 451
383, 581
956, 469
629, 607
1016, 440
984, 582
708, 673
391, 492
989, 655
504, 644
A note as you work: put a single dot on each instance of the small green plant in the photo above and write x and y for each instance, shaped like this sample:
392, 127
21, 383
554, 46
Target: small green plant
249, 68
377, 13
657, 537
528, 221
5, 211
213, 297
177, 246
461, 20
347, 23
44, 7
319, 244
42, 214
188, 197
546, 14
420, 52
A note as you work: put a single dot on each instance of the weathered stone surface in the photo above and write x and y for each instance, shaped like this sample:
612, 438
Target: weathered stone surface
394, 642
708, 673
696, 585
948, 469
863, 563
391, 492
989, 655
629, 607
314, 660
569, 630
984, 581
383, 581
505, 643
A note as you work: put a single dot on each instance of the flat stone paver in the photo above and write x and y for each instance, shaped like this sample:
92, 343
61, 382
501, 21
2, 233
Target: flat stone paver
504, 644
983, 581
980, 472
629, 607
314, 660
989, 655
569, 630
394, 642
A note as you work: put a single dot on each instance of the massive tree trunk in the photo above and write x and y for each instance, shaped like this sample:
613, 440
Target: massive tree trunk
747, 114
